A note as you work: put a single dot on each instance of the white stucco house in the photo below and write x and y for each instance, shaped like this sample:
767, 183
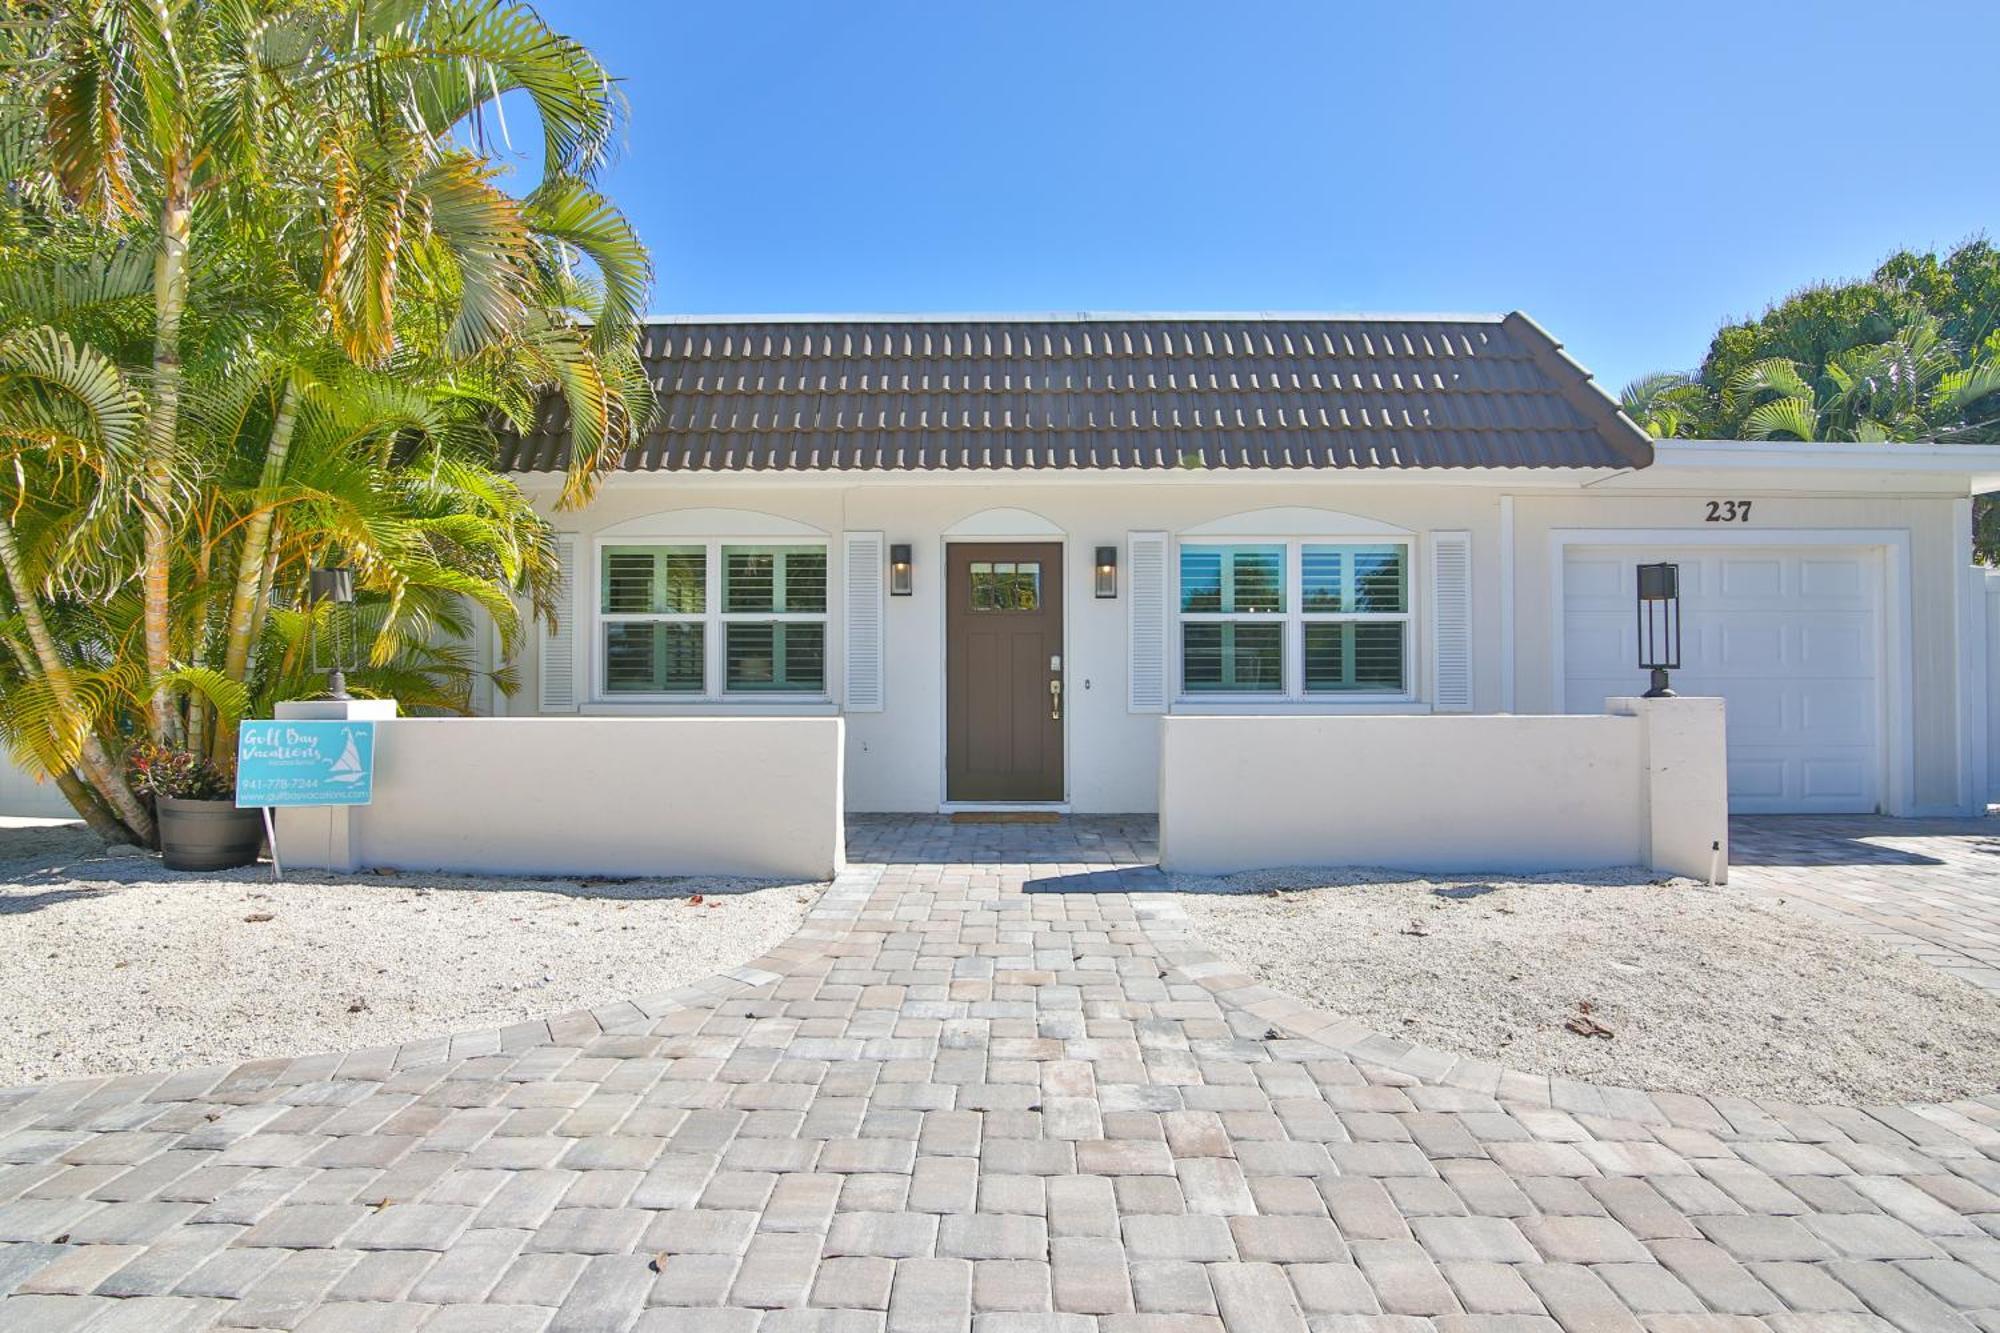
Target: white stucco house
1001, 546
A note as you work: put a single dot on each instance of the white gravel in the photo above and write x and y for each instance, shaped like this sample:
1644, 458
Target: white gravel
112, 964
1705, 990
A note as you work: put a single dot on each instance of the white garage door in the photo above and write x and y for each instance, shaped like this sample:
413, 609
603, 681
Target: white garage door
1789, 636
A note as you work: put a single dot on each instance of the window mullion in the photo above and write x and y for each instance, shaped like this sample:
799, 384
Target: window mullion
713, 652
1293, 592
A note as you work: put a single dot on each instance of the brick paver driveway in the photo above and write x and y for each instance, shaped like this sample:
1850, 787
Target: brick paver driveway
1931, 886
992, 1084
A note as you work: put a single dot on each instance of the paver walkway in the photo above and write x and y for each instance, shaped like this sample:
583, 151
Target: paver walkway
1005, 1093
1931, 886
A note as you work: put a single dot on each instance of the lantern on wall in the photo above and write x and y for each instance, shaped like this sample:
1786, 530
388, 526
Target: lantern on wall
1107, 571
900, 580
1660, 624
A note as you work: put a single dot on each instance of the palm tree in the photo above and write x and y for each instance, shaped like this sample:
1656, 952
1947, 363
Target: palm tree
181, 122
69, 427
276, 219
1667, 404
1910, 387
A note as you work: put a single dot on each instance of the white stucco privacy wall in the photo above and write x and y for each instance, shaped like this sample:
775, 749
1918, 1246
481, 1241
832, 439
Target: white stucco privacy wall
1644, 785
590, 796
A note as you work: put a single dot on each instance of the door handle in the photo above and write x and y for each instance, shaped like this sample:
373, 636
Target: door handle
1055, 701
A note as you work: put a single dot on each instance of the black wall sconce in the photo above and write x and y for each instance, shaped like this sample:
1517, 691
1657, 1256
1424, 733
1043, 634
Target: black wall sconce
899, 570
1660, 625
1107, 571
333, 652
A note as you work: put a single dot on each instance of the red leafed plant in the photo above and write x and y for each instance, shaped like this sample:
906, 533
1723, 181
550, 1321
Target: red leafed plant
153, 769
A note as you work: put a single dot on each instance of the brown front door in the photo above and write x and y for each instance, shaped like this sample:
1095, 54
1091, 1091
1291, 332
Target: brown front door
1003, 653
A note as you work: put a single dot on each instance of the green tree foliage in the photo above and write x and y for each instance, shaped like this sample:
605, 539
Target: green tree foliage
1909, 353
265, 304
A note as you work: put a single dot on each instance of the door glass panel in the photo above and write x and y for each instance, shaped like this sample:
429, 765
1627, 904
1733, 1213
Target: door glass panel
1006, 585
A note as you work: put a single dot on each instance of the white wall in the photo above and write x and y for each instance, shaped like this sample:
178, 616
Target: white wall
22, 795
590, 796
1988, 587
895, 758
1510, 794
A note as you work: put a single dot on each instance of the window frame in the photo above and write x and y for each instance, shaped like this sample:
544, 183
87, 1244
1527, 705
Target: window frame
714, 620
1294, 618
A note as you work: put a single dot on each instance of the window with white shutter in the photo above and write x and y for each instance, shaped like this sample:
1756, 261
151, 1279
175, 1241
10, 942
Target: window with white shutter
1294, 619
1451, 621
863, 624
1146, 630
712, 619
559, 639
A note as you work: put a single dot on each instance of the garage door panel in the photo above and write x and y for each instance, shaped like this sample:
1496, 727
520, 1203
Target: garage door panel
1836, 646
1749, 645
1788, 638
1756, 778
1834, 581
1837, 712
1597, 641
1747, 578
1756, 709
1594, 578
1837, 779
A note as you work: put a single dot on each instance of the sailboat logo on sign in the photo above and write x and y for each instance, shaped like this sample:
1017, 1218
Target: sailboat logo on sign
347, 768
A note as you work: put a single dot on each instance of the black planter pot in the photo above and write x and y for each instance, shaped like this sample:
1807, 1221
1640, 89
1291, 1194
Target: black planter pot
208, 835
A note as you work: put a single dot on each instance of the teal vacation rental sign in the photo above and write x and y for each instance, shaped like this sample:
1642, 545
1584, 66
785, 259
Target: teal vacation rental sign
305, 763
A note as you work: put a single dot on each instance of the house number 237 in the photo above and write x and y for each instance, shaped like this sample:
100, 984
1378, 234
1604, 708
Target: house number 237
1728, 511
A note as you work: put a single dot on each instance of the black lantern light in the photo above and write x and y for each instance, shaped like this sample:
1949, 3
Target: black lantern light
900, 582
334, 651
1660, 625
1107, 571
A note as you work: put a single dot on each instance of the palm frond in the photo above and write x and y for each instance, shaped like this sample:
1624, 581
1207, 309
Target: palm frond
569, 211
1782, 417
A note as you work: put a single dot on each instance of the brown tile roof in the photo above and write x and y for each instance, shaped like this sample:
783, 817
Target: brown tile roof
1115, 391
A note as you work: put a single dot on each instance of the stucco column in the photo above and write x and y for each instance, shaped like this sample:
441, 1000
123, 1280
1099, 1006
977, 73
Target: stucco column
1687, 784
321, 837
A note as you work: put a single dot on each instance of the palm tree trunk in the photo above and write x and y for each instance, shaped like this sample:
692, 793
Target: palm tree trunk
92, 762
246, 599
97, 817
266, 582
197, 704
156, 482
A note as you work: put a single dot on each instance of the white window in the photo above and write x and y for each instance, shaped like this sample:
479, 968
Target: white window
712, 619
1295, 619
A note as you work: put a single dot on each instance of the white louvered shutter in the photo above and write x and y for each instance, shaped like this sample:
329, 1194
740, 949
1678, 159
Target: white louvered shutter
862, 604
1451, 621
1146, 637
559, 641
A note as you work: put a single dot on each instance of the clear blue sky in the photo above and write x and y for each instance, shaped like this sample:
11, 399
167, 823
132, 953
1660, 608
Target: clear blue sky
1627, 174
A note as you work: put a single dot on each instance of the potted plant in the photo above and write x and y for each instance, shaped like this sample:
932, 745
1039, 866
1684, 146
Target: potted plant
200, 825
